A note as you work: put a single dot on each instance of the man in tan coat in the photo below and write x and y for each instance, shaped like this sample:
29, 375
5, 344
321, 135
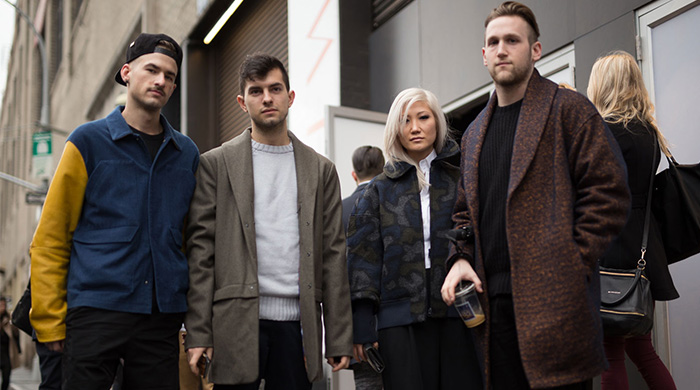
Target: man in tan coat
544, 188
266, 250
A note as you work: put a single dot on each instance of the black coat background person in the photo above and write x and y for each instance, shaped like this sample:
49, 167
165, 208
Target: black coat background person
367, 162
617, 90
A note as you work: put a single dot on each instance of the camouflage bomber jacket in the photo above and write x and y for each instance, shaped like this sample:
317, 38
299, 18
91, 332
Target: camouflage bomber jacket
386, 264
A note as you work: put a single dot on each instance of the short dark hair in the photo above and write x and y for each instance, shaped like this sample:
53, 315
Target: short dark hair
513, 8
257, 66
367, 161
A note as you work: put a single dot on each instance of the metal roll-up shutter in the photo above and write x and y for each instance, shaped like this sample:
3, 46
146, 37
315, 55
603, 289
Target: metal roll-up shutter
383, 10
256, 26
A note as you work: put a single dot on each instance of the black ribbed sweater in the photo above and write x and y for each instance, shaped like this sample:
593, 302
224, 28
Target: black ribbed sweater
494, 175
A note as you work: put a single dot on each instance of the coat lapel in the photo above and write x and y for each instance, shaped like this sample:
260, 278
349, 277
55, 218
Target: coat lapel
238, 157
534, 113
307, 182
473, 142
307, 167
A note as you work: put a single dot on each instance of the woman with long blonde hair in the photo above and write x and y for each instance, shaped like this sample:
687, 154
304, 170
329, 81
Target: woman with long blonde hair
617, 89
397, 253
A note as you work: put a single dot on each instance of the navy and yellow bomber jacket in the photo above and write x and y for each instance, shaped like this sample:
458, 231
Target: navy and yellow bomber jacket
110, 234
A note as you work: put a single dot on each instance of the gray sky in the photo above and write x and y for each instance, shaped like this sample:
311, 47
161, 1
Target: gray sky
7, 29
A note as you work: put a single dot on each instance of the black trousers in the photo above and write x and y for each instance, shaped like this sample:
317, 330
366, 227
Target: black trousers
6, 369
97, 339
50, 367
432, 355
507, 372
281, 358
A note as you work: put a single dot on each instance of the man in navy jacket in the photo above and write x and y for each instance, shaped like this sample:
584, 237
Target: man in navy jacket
109, 278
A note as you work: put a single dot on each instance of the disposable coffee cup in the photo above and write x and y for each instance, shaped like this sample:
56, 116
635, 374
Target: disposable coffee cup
468, 305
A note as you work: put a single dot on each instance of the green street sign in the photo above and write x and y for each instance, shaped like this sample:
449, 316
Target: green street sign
42, 158
41, 144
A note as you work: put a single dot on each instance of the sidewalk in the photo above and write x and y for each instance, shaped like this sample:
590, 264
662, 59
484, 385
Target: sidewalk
22, 378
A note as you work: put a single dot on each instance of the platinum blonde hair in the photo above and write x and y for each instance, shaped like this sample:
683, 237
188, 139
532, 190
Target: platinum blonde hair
616, 88
396, 121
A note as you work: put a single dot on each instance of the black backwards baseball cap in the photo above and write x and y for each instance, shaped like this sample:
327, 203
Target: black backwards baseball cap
147, 44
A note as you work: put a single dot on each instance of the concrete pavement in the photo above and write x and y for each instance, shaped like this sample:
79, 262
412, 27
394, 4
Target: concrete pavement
23, 378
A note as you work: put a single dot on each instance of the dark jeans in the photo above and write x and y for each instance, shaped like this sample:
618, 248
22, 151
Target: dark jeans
50, 367
431, 355
281, 358
507, 372
97, 339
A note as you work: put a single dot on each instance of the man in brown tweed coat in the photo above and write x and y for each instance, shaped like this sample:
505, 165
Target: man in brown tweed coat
544, 188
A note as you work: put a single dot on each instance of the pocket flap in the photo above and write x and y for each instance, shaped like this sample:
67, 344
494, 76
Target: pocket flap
98, 236
236, 291
177, 236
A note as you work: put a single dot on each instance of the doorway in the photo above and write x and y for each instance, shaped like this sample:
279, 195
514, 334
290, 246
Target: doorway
670, 53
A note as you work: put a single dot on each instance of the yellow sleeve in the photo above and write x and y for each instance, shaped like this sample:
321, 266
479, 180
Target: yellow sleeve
51, 246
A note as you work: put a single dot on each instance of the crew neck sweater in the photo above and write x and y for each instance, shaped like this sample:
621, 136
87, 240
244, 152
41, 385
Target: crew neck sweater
276, 231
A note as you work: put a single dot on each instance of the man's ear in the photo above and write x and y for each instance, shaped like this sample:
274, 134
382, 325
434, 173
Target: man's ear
536, 51
124, 71
241, 102
291, 97
354, 177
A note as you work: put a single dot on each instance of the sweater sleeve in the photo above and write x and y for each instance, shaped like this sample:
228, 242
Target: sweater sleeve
51, 247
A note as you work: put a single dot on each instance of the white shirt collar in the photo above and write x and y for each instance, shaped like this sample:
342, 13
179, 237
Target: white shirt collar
424, 164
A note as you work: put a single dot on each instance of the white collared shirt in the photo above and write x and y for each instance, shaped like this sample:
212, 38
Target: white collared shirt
424, 165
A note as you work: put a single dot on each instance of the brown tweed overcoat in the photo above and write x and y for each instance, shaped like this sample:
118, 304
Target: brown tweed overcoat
567, 200
221, 249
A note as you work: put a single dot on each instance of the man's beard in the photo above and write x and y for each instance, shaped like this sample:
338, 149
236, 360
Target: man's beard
515, 77
269, 125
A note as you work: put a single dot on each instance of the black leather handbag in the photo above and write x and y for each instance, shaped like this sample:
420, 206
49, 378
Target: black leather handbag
626, 304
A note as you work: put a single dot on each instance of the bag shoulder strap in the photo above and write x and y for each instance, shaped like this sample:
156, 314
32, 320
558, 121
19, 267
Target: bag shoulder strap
645, 237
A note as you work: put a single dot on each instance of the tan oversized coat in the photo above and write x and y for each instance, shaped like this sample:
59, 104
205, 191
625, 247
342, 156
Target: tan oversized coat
567, 200
223, 299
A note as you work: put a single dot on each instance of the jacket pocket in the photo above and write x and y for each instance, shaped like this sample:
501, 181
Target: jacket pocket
104, 259
235, 315
177, 237
105, 236
235, 291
